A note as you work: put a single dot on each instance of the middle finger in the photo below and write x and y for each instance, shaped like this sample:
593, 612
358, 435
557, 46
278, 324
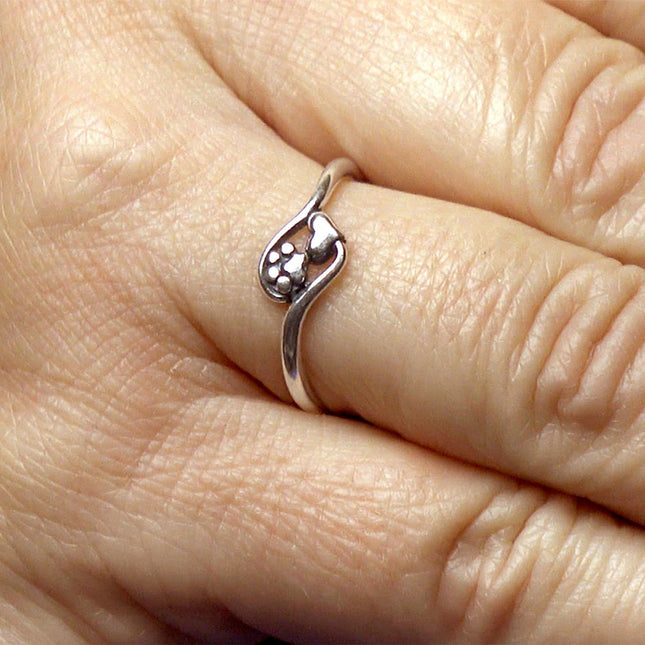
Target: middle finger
514, 107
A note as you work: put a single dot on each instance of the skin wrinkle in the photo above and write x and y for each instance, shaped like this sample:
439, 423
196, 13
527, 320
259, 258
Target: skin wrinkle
535, 314
603, 175
616, 116
496, 576
566, 58
454, 545
571, 515
558, 289
599, 217
46, 593
622, 20
630, 375
591, 590
557, 567
624, 338
572, 357
527, 317
496, 546
582, 453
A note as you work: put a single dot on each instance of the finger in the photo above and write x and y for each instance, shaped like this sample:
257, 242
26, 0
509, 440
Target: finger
615, 18
365, 539
317, 529
514, 107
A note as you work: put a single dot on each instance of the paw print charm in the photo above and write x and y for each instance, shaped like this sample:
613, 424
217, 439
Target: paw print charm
286, 269
297, 277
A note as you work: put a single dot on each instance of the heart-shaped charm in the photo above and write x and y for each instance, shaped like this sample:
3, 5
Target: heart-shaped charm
324, 236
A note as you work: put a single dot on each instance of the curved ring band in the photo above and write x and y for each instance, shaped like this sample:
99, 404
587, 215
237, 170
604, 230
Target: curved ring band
289, 275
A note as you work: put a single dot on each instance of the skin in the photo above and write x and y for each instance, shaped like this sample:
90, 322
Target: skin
480, 474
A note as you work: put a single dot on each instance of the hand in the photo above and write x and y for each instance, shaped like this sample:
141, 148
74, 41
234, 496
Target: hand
480, 477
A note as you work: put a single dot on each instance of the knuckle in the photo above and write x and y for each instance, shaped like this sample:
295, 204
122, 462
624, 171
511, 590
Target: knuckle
594, 153
488, 588
94, 151
80, 151
78, 133
589, 331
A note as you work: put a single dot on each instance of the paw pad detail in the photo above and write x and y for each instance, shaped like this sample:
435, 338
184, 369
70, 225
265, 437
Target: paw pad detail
287, 269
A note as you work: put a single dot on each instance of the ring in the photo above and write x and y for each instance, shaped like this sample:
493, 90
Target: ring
298, 277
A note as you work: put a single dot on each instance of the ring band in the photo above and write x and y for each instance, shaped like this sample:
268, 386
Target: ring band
284, 273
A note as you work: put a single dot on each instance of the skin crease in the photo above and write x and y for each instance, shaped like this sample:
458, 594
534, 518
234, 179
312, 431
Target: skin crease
479, 477
625, 22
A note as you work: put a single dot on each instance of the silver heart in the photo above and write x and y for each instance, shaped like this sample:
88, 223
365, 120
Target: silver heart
324, 236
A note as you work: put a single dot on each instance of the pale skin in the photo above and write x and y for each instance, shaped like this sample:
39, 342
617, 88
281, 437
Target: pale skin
479, 476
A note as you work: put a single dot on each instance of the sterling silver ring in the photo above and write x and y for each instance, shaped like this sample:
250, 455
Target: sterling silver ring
297, 276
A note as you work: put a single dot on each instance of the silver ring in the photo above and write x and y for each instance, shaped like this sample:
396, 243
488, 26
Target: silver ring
298, 277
